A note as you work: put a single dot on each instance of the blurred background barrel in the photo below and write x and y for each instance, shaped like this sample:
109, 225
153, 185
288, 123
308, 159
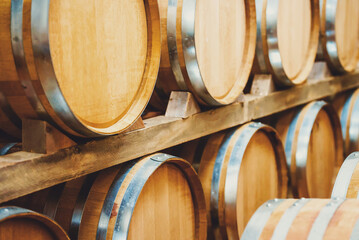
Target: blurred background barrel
347, 182
311, 219
287, 39
239, 170
207, 48
19, 223
347, 106
339, 34
314, 148
86, 69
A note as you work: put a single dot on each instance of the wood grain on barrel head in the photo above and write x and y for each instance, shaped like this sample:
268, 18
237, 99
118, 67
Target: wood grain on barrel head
294, 31
347, 33
99, 51
258, 178
164, 209
321, 160
220, 37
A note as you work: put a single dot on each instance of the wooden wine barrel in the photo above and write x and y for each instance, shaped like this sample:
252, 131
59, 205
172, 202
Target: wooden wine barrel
287, 39
207, 48
87, 66
20, 224
339, 34
347, 106
9, 148
159, 195
311, 219
347, 182
239, 170
314, 148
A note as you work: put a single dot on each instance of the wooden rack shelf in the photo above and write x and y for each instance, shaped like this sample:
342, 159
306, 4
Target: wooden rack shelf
22, 173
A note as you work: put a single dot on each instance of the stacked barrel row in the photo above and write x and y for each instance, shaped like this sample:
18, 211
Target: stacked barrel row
237, 171
92, 72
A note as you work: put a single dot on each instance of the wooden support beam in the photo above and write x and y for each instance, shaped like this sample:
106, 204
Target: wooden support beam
22, 173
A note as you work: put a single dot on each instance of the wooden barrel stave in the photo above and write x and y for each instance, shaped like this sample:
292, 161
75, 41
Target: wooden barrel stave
276, 51
305, 157
19, 223
37, 89
184, 63
225, 199
304, 219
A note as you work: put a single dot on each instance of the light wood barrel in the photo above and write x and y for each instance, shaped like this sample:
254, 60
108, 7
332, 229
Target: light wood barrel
20, 224
347, 182
310, 219
207, 48
314, 148
159, 195
87, 66
287, 39
339, 34
347, 106
239, 170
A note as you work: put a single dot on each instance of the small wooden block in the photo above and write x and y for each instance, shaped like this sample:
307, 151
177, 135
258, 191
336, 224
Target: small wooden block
40, 137
320, 71
137, 125
262, 85
182, 105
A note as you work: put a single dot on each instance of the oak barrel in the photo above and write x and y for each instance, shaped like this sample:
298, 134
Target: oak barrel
311, 219
347, 182
160, 195
87, 66
287, 39
239, 170
339, 34
347, 106
21, 224
207, 48
314, 148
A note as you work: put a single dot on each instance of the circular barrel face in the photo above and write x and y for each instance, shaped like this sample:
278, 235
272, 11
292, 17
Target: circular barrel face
165, 207
220, 39
321, 160
258, 178
99, 52
347, 33
294, 32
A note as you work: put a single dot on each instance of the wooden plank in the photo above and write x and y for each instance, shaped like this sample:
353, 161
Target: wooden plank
22, 173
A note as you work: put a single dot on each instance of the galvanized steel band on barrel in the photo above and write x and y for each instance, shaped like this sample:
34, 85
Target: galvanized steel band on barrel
133, 190
260, 218
303, 139
192, 74
233, 169
344, 177
267, 40
17, 12
328, 13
